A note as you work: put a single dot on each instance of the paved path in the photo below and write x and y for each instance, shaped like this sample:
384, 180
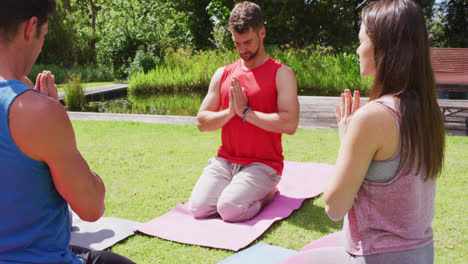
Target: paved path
316, 112
153, 119
115, 87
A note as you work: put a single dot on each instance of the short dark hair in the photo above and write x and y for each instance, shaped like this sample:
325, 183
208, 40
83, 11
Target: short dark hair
246, 15
15, 12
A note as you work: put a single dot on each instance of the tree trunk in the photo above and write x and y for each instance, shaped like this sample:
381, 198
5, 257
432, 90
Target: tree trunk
67, 5
93, 26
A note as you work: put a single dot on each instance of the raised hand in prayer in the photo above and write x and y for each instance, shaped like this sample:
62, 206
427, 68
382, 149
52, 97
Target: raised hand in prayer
45, 83
349, 105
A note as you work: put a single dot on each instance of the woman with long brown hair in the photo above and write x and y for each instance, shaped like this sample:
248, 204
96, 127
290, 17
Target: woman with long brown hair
392, 148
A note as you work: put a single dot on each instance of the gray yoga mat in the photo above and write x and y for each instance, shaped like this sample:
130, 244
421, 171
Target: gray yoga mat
101, 234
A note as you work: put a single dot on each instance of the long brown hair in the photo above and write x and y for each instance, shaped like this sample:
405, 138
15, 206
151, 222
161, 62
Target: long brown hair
403, 69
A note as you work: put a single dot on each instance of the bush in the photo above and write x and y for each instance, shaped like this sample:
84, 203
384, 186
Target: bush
142, 63
89, 73
319, 71
74, 93
183, 71
129, 25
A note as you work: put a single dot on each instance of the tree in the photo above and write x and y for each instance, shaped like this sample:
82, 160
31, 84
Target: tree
59, 41
198, 22
299, 23
455, 23
113, 32
72, 34
126, 26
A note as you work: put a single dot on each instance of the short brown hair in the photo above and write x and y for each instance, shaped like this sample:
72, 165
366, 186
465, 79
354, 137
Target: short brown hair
246, 15
15, 12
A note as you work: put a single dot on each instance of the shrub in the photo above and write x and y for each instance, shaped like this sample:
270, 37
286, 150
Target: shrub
319, 71
74, 93
183, 71
129, 25
89, 73
142, 63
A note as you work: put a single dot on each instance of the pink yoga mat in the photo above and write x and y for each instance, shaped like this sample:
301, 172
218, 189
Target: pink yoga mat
299, 181
333, 240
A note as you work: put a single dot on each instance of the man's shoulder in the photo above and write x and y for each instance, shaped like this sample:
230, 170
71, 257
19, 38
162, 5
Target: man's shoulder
33, 98
36, 107
277, 63
222, 72
280, 68
231, 66
36, 120
285, 72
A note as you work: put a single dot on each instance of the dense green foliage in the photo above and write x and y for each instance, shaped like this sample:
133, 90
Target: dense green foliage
123, 33
318, 71
449, 25
184, 71
129, 26
61, 74
148, 169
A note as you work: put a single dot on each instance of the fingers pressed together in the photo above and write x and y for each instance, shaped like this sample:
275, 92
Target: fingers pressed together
45, 83
237, 97
349, 105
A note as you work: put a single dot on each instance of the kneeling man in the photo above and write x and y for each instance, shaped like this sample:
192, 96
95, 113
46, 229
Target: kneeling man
257, 96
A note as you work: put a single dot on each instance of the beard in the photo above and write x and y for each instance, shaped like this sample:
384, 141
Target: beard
247, 56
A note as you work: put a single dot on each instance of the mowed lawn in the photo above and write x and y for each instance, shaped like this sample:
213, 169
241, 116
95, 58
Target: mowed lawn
148, 169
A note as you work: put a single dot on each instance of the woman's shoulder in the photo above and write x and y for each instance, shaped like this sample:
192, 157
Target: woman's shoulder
376, 126
373, 114
374, 119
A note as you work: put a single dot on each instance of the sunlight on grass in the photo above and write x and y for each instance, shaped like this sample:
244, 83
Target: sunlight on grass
148, 169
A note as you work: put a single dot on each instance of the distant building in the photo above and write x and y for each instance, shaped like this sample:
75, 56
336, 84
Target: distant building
451, 70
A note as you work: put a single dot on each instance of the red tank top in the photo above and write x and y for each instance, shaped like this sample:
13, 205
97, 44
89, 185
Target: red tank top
242, 142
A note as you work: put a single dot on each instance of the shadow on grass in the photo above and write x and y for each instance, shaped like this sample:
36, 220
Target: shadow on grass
312, 214
310, 217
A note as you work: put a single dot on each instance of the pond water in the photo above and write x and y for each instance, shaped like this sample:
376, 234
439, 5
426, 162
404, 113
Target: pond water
187, 105
123, 105
452, 95
167, 104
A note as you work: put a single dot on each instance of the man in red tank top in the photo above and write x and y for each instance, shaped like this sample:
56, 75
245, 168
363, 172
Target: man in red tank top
254, 101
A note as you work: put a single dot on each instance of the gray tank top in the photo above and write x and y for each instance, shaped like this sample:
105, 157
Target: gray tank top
383, 171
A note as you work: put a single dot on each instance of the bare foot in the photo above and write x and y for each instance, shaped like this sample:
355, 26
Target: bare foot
268, 198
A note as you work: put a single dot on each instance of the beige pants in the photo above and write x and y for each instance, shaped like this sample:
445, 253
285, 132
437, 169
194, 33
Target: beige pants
232, 190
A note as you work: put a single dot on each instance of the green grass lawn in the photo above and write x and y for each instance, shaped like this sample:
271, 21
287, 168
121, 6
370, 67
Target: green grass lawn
148, 169
61, 87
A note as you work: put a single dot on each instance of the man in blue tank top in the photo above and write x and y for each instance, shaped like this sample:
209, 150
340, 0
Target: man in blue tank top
41, 169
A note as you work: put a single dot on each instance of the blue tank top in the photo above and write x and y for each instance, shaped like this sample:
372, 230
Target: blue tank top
34, 218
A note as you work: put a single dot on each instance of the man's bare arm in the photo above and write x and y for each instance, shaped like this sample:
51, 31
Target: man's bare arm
42, 130
287, 118
209, 118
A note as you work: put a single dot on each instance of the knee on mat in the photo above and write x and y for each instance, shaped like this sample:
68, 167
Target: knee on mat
199, 210
230, 212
